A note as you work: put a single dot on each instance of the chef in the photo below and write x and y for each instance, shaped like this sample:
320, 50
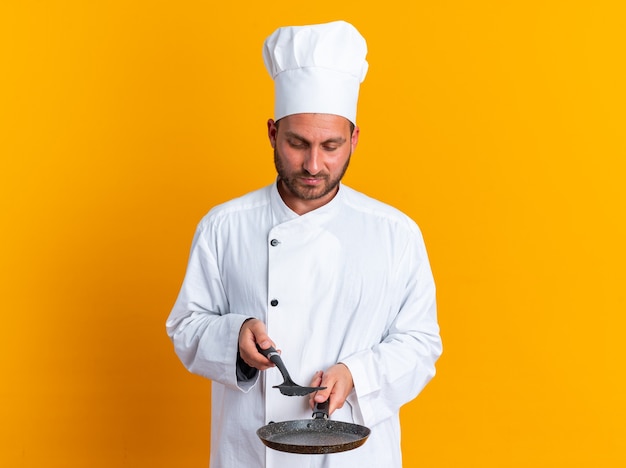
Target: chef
339, 282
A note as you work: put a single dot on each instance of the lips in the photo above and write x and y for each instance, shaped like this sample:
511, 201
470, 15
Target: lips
312, 180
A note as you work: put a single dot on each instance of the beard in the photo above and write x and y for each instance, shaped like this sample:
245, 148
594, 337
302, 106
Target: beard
291, 180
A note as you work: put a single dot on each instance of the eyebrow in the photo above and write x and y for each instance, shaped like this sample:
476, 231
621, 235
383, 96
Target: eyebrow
336, 140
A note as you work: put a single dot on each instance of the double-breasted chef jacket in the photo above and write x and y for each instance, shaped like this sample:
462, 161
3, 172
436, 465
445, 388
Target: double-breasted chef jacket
349, 282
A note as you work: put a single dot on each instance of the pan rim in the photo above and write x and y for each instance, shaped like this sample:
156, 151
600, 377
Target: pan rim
271, 433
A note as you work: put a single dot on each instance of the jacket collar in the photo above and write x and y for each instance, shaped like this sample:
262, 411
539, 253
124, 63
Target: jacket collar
282, 213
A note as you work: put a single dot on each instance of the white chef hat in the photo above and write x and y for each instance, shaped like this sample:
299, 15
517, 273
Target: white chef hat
316, 69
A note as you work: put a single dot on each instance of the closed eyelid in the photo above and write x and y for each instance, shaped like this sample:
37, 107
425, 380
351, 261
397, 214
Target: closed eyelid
297, 142
294, 138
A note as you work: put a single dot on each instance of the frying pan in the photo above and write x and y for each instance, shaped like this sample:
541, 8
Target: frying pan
313, 436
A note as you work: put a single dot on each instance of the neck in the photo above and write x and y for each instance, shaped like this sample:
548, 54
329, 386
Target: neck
302, 206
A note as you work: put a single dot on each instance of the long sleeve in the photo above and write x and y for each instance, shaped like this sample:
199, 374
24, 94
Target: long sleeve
204, 332
392, 373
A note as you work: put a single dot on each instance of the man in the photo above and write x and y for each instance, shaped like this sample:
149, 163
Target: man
337, 281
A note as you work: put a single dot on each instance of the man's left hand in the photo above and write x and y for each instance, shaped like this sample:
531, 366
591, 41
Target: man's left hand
338, 382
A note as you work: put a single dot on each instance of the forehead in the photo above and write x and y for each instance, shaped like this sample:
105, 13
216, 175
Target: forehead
315, 126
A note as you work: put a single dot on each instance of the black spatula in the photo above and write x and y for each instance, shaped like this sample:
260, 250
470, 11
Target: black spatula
288, 387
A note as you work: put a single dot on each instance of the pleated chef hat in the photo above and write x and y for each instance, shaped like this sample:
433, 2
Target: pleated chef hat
316, 69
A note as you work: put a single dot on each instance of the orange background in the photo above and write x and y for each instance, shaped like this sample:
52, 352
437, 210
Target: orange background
498, 126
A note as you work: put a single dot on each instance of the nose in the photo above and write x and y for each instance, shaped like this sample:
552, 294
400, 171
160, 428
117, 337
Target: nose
312, 162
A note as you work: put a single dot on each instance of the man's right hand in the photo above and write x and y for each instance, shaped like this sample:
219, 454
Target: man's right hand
253, 332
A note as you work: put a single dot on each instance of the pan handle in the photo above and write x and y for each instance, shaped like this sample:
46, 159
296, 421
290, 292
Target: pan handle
321, 410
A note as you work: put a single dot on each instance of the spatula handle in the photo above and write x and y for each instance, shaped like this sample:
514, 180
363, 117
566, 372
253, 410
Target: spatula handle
273, 356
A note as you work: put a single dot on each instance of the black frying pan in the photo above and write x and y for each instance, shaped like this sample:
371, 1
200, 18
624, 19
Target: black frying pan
313, 436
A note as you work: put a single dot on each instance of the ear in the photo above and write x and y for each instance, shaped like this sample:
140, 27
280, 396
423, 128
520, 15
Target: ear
271, 132
355, 138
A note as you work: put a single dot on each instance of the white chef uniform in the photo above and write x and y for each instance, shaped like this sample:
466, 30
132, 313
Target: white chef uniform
348, 282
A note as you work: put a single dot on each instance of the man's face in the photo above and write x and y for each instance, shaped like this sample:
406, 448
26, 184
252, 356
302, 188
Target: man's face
311, 154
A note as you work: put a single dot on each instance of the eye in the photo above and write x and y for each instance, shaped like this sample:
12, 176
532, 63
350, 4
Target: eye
297, 144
